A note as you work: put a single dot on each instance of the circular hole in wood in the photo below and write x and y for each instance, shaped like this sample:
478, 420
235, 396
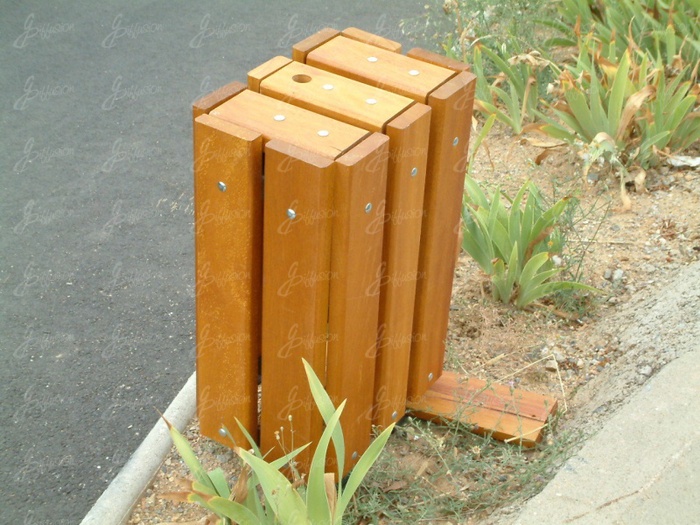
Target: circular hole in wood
302, 79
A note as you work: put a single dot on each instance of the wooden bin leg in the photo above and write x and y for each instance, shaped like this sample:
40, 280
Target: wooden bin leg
356, 257
228, 253
449, 139
402, 222
296, 268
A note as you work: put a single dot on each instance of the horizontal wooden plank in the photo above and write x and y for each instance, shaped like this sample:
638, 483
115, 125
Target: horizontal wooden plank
333, 95
500, 410
378, 67
299, 127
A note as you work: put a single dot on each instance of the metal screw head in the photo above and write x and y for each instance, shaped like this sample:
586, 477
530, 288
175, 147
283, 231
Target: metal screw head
328, 87
394, 414
455, 141
372, 59
430, 376
222, 432
368, 207
414, 72
222, 186
291, 214
355, 455
371, 101
414, 172
323, 133
279, 118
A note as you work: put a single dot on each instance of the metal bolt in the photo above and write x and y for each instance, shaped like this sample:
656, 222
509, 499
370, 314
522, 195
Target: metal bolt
368, 207
323, 133
455, 141
394, 414
354, 455
279, 118
222, 432
291, 214
328, 87
222, 186
414, 172
414, 72
372, 59
430, 376
371, 101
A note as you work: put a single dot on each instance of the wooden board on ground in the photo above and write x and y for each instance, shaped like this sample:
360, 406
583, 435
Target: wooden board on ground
508, 414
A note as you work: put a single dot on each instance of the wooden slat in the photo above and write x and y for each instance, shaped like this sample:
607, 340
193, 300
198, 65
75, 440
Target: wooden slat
257, 75
392, 71
215, 98
374, 40
439, 60
356, 255
299, 128
303, 48
507, 414
449, 145
349, 101
228, 256
402, 222
297, 272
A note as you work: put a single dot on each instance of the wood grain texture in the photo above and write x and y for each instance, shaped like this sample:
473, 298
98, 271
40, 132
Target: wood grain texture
402, 222
493, 409
347, 100
356, 256
303, 48
439, 60
378, 67
257, 75
297, 276
299, 126
372, 39
215, 98
228, 257
449, 145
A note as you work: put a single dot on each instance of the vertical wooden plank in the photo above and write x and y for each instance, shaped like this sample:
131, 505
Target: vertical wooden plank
449, 146
297, 275
215, 98
228, 254
260, 73
303, 48
402, 221
356, 254
369, 38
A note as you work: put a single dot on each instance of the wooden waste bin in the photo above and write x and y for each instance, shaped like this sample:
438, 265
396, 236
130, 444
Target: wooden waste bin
327, 204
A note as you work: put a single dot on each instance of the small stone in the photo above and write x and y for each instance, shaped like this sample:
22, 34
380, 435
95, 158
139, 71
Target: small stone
559, 358
646, 371
579, 363
618, 275
551, 366
613, 300
608, 274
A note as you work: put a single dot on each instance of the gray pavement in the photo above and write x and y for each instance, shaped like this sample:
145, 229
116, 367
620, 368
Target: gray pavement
642, 468
96, 243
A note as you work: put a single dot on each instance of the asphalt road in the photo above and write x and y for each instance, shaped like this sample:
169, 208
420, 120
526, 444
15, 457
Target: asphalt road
96, 236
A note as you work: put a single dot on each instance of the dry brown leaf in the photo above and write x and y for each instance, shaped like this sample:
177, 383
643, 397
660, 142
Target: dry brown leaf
396, 485
331, 491
240, 489
422, 469
633, 104
539, 159
626, 201
177, 497
640, 181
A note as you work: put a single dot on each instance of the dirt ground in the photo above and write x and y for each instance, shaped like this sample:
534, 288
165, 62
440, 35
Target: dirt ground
628, 254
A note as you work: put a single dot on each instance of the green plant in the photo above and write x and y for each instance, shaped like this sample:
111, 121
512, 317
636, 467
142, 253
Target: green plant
454, 475
667, 30
518, 246
319, 501
516, 105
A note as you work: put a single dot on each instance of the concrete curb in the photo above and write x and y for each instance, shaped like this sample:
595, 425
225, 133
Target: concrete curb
118, 500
